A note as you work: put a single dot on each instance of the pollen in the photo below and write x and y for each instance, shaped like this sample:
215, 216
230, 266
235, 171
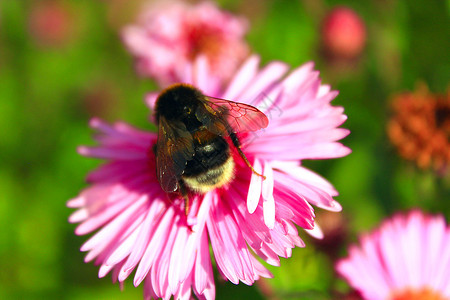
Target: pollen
420, 129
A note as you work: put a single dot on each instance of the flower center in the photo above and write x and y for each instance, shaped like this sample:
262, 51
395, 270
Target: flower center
203, 40
415, 294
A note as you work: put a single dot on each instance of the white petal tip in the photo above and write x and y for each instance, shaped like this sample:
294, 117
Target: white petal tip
316, 232
95, 122
103, 271
83, 150
251, 207
137, 280
123, 275
335, 206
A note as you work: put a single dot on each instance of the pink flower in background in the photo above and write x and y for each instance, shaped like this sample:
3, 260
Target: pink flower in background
343, 34
139, 229
407, 257
51, 23
170, 35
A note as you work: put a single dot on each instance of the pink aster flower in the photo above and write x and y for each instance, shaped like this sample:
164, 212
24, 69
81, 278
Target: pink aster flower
407, 257
170, 35
138, 229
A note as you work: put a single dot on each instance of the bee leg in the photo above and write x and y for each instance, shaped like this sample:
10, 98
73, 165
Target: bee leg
184, 193
237, 144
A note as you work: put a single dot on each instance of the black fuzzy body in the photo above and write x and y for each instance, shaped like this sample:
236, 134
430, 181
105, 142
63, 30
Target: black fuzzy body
210, 165
179, 103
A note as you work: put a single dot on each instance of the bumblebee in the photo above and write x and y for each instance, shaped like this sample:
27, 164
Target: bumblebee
192, 151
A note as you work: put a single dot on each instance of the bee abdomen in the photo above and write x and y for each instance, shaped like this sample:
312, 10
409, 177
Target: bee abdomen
211, 178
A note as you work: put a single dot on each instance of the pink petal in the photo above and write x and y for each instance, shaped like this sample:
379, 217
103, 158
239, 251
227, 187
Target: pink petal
155, 246
265, 78
143, 239
203, 269
242, 78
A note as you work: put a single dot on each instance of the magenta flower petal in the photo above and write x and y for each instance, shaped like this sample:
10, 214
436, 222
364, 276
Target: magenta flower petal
407, 257
136, 227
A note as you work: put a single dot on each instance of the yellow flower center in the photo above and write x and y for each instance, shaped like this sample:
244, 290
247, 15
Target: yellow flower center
415, 294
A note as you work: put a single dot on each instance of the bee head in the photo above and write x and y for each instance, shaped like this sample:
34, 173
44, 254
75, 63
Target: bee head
178, 101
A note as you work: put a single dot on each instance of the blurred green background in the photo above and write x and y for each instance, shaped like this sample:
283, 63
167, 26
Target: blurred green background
51, 85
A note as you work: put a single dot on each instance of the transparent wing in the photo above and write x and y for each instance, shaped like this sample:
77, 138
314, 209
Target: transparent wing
224, 116
174, 148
